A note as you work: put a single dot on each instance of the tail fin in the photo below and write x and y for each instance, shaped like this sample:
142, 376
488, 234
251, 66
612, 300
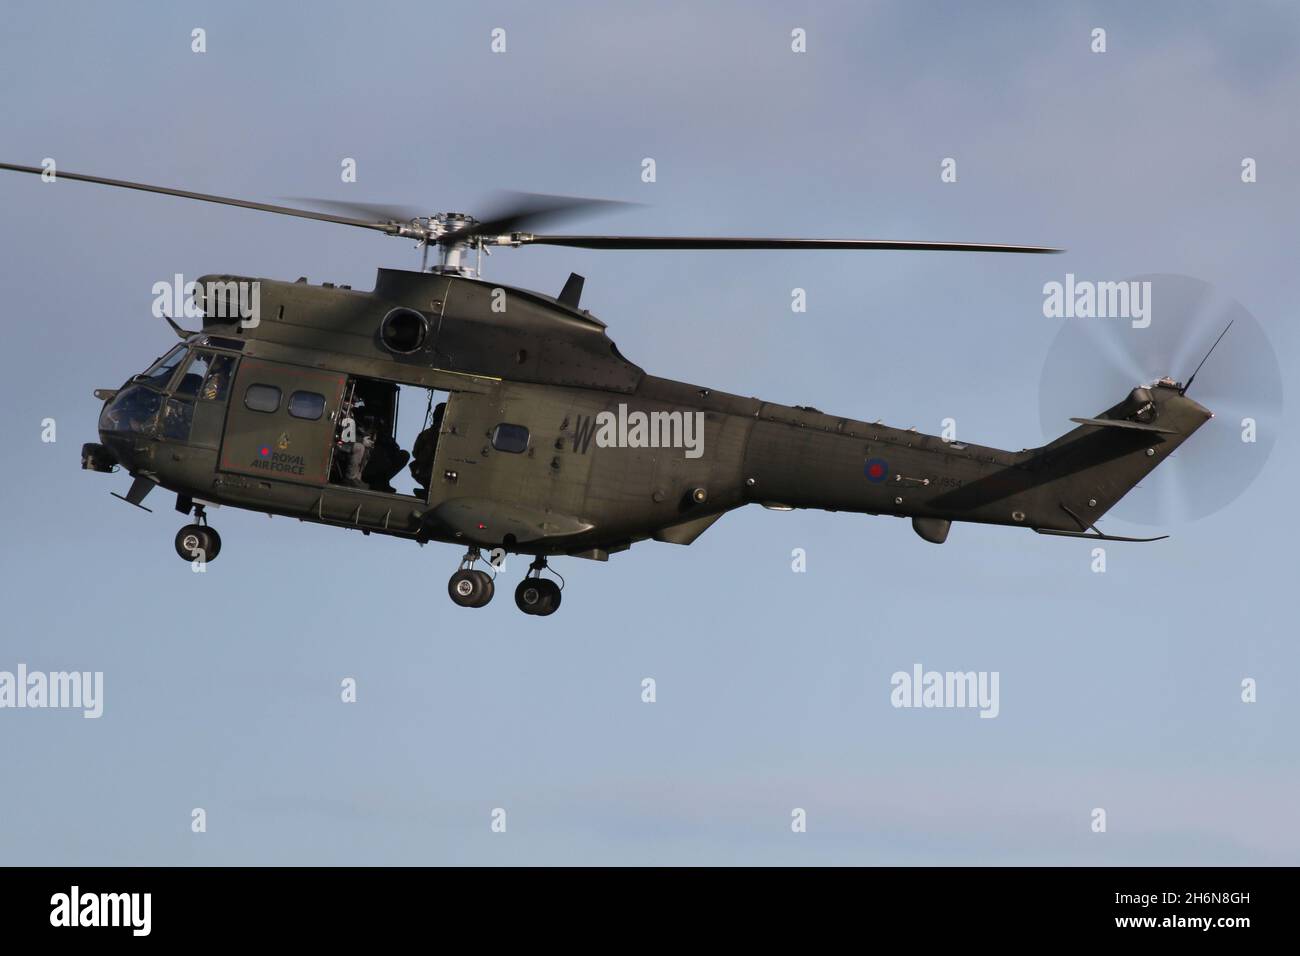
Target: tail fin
1086, 471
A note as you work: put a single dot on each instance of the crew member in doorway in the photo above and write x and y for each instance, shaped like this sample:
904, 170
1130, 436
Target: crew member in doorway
356, 452
386, 459
426, 446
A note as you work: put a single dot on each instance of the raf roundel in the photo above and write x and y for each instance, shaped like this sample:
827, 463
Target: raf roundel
877, 469
264, 451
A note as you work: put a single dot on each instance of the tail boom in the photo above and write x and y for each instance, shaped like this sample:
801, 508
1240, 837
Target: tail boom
1063, 487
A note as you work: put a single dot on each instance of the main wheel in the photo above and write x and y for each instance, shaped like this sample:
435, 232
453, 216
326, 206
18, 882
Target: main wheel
467, 589
528, 596
550, 597
212, 546
196, 541
538, 596
191, 542
488, 585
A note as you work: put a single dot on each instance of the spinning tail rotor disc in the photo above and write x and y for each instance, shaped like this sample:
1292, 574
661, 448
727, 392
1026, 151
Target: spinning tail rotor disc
1094, 362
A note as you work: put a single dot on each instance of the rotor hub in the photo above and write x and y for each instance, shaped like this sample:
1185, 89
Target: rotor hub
446, 222
453, 255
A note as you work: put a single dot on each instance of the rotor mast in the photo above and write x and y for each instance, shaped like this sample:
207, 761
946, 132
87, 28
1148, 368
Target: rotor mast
454, 253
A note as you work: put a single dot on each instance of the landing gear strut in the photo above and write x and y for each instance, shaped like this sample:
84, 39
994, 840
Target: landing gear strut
470, 587
536, 594
198, 542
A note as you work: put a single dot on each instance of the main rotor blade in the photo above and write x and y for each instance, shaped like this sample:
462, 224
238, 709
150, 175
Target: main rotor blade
206, 197
745, 242
518, 210
369, 210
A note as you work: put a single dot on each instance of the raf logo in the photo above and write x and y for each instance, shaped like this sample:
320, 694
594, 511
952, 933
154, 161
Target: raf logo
269, 459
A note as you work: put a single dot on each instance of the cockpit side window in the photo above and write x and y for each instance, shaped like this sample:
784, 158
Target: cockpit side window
177, 418
207, 377
220, 372
161, 371
194, 375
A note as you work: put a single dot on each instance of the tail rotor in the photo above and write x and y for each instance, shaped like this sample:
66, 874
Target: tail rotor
1186, 322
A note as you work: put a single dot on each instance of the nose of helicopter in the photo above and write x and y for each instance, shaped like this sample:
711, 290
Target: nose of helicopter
124, 421
119, 448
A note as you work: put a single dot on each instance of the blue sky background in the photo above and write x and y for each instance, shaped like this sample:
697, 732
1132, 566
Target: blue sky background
1118, 690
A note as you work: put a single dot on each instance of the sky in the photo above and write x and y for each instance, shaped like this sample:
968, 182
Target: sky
1120, 690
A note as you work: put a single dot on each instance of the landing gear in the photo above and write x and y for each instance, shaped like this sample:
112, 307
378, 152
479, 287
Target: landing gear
198, 542
470, 587
536, 594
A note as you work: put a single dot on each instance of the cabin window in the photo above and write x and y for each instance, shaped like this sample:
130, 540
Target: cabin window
262, 398
511, 438
308, 405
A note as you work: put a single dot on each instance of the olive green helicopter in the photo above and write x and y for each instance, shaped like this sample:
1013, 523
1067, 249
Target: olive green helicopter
535, 435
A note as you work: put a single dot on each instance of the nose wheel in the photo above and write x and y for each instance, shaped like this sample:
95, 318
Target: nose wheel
198, 542
470, 587
536, 594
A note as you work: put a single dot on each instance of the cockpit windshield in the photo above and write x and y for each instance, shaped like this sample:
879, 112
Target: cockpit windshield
204, 379
133, 409
160, 371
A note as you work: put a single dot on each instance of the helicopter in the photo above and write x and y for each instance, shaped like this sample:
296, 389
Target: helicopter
548, 441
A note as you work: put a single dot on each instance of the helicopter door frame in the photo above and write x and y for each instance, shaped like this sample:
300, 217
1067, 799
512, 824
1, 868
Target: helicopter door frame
464, 421
345, 401
273, 443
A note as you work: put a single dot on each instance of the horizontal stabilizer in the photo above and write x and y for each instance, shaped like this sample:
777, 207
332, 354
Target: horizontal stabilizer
1121, 423
1096, 535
